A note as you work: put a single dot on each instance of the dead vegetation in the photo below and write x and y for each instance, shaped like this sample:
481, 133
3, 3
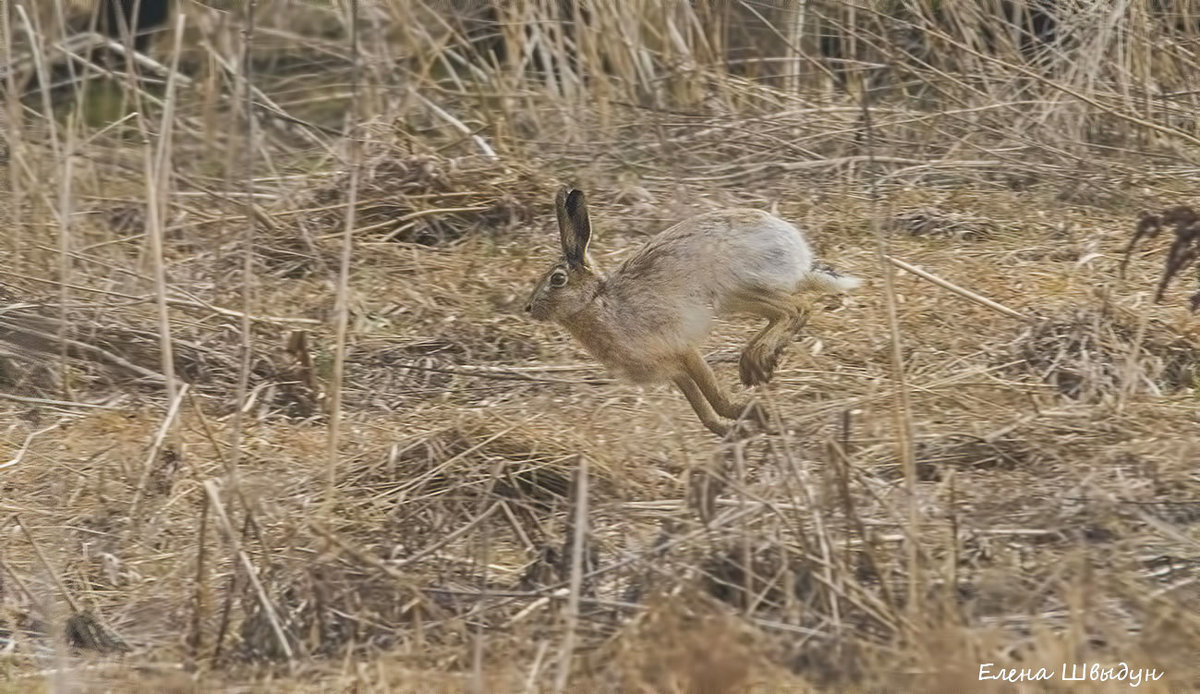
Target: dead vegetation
1003, 473
1180, 255
1094, 353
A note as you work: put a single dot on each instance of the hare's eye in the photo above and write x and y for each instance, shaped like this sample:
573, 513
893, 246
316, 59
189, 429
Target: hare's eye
558, 279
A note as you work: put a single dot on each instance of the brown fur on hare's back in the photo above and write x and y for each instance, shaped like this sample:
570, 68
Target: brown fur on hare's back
647, 319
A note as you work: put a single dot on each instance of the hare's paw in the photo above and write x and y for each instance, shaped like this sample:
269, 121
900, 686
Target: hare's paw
750, 366
759, 415
759, 360
740, 430
756, 413
716, 426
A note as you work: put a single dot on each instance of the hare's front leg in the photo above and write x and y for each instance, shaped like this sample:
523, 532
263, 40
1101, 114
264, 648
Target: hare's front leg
699, 403
704, 378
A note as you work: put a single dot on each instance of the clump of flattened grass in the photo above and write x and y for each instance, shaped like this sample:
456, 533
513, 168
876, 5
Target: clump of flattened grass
929, 221
112, 349
683, 644
1092, 353
430, 200
934, 456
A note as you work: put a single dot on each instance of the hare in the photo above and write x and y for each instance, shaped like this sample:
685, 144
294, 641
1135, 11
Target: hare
647, 319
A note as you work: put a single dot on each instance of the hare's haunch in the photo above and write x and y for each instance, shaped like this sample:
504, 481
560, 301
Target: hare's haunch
647, 319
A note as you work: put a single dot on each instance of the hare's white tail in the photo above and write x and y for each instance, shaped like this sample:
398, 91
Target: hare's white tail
824, 278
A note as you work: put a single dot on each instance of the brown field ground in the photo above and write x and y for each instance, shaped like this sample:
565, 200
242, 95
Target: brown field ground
228, 465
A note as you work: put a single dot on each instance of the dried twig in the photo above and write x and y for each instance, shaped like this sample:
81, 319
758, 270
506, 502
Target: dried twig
158, 191
152, 456
577, 550
25, 446
964, 293
456, 124
268, 608
341, 303
58, 582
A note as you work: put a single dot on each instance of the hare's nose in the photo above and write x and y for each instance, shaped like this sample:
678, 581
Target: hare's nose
529, 308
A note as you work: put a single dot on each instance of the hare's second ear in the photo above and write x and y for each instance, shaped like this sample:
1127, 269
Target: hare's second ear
574, 227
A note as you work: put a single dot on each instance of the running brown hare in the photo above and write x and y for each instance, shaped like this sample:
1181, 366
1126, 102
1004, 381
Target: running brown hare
646, 320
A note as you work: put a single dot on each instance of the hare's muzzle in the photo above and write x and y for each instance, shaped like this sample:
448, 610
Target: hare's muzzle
529, 307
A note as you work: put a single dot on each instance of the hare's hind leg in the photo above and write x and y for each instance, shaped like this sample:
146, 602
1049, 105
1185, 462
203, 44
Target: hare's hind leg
786, 315
702, 375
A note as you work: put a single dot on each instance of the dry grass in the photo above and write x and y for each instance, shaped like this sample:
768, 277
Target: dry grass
1053, 510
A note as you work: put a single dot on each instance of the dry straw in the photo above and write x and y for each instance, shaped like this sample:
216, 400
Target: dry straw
266, 279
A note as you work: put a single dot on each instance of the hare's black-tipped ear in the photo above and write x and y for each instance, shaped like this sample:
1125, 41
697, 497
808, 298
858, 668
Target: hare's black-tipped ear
574, 227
